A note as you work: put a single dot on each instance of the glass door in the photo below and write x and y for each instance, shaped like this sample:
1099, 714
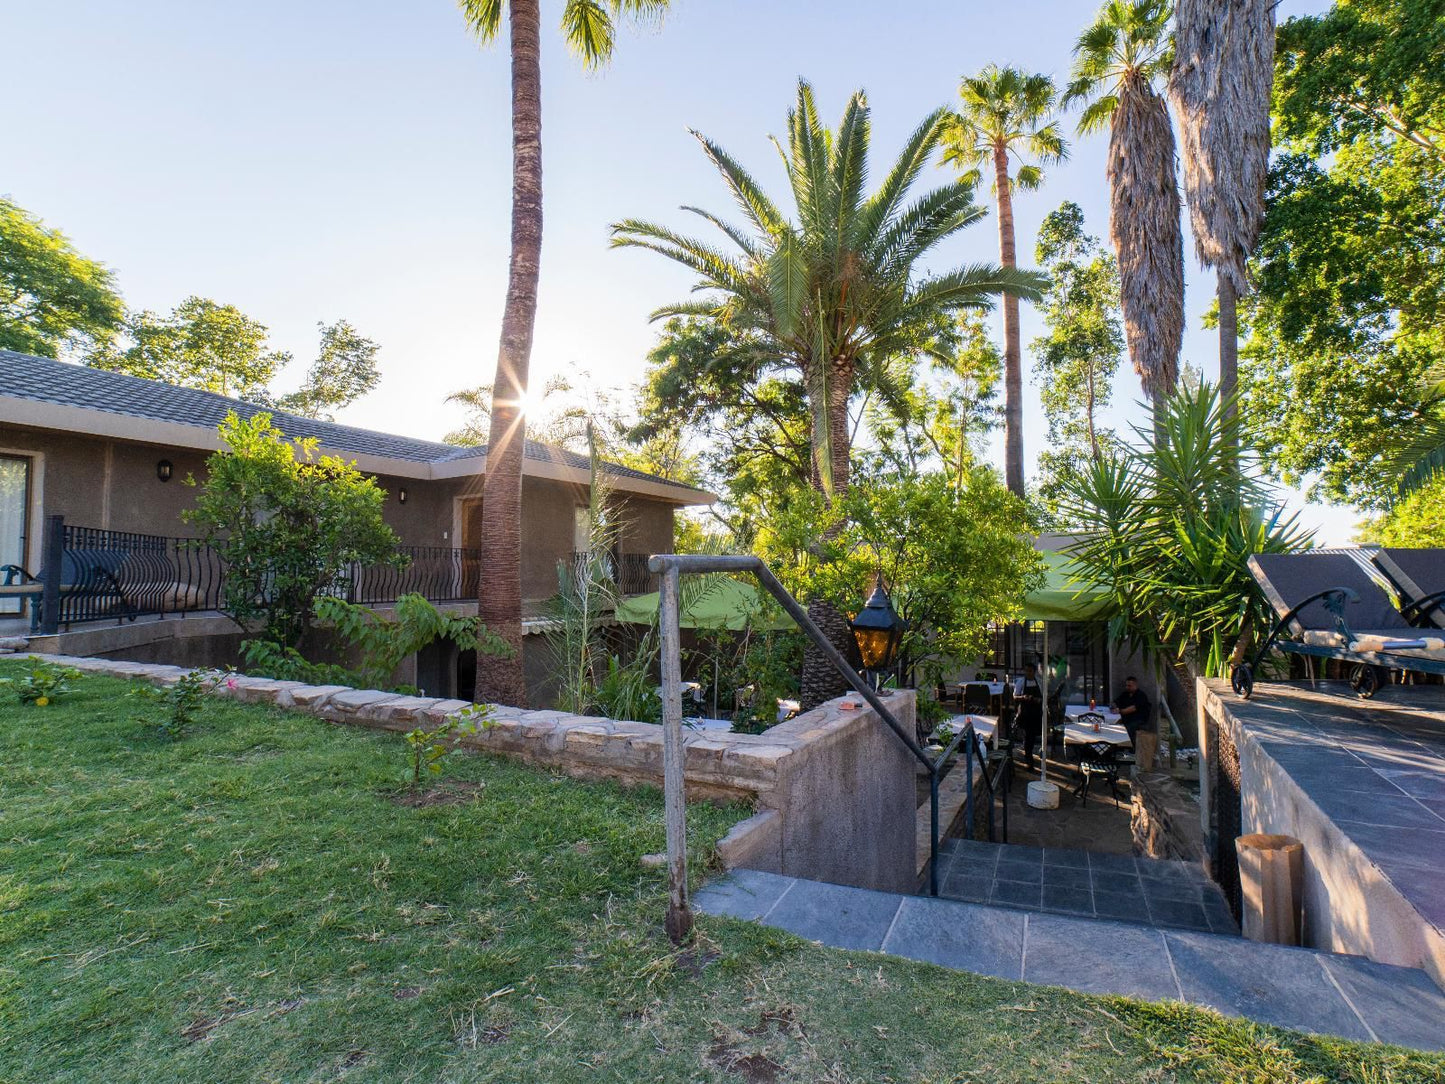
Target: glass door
14, 519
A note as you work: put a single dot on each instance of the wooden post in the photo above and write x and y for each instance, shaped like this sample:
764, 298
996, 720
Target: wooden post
1271, 876
679, 914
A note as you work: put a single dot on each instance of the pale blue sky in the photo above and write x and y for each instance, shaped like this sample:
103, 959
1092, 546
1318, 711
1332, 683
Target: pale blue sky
316, 159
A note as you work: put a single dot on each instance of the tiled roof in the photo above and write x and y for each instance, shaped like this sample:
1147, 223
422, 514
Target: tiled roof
49, 381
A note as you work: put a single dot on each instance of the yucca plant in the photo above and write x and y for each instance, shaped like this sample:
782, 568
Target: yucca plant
1166, 525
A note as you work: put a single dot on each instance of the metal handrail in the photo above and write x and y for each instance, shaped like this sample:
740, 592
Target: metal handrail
670, 566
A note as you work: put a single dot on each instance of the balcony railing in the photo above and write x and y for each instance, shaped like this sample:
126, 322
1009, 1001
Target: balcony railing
94, 574
629, 571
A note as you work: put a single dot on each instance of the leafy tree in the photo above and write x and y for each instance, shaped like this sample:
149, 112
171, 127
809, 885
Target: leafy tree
288, 525
589, 31
201, 344
1165, 525
840, 291
953, 558
1006, 114
1083, 343
1349, 314
1118, 62
52, 299
344, 370
1416, 520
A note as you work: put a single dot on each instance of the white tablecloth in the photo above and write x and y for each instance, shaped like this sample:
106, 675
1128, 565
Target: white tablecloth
985, 726
1073, 711
1083, 734
995, 688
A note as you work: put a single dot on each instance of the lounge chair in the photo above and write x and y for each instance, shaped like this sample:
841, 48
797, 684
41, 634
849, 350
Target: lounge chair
1337, 604
1418, 577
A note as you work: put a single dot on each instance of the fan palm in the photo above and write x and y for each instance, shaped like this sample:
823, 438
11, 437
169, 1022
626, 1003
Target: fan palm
1117, 62
837, 293
1220, 85
1006, 116
589, 29
1420, 456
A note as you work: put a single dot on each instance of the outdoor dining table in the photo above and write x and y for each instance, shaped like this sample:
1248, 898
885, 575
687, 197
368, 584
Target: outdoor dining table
1111, 731
985, 726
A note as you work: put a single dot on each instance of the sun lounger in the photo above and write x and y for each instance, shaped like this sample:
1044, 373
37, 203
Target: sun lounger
1419, 578
1338, 604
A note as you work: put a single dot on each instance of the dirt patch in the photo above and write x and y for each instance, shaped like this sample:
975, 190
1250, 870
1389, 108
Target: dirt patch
472, 1035
353, 1058
695, 961
204, 1027
453, 792
753, 1068
406, 993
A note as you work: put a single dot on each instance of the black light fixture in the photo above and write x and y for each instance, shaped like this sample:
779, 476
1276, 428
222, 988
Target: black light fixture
877, 629
401, 495
163, 470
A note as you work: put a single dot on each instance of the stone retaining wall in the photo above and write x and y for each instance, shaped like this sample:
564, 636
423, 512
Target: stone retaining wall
833, 788
1164, 817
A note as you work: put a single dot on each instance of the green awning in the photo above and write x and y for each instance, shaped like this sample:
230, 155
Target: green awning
1065, 597
724, 604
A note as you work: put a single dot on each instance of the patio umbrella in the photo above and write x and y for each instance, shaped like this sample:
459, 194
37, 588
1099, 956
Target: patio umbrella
1065, 595
724, 604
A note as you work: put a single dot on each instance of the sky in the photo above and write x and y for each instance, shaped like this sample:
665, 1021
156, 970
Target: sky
312, 160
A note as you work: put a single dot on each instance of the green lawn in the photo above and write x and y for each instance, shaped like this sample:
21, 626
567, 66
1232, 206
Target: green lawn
252, 903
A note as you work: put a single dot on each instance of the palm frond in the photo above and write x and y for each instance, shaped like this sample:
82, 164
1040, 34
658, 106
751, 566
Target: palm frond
483, 17
588, 30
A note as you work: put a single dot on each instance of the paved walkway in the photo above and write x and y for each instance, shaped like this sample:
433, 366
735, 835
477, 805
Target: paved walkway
1295, 988
1150, 891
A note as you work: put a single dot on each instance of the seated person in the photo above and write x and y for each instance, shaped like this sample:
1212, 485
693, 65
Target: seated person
1133, 708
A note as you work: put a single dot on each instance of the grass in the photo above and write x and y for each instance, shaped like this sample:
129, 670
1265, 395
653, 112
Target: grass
252, 903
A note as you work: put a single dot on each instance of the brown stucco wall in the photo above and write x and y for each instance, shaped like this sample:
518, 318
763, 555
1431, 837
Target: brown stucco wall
94, 482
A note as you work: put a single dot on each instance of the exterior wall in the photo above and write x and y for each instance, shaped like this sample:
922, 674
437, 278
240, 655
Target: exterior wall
94, 482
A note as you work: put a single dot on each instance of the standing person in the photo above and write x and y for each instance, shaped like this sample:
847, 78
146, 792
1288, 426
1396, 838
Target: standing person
1133, 707
1029, 696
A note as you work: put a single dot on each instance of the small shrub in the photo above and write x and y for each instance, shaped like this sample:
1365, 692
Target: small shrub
42, 683
628, 690
427, 750
181, 703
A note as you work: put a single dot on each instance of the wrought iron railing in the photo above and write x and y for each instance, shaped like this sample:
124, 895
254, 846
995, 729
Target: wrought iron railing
629, 571
93, 574
439, 573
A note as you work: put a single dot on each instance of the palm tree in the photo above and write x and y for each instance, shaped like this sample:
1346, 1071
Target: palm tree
588, 27
1006, 114
837, 294
1117, 62
1220, 85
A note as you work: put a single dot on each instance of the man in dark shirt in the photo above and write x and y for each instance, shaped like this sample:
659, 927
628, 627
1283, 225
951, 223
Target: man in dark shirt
1029, 696
1133, 707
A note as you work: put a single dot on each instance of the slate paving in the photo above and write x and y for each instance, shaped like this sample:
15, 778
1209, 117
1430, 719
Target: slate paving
1150, 891
1298, 988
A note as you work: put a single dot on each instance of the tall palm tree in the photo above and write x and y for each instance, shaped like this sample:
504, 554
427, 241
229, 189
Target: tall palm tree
1220, 85
838, 291
589, 29
1117, 62
1006, 117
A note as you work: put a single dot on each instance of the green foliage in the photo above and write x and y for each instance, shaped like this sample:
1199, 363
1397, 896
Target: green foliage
1004, 110
201, 344
953, 556
180, 702
427, 750
52, 299
1128, 39
288, 524
1415, 521
42, 682
628, 690
842, 290
380, 643
765, 668
1166, 525
1349, 315
344, 370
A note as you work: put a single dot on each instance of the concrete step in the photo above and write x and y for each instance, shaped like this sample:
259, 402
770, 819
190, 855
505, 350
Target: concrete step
1297, 988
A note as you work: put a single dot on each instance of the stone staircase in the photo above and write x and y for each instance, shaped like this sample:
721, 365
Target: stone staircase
1303, 989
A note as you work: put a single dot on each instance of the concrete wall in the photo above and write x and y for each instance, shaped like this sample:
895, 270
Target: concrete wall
1348, 903
834, 788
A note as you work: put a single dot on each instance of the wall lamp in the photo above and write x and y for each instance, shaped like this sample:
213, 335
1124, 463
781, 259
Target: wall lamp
164, 470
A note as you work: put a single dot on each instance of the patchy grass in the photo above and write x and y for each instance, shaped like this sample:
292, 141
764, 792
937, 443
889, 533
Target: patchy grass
255, 903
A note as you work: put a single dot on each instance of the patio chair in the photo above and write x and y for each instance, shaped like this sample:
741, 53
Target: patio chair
1418, 576
976, 698
1336, 604
1101, 759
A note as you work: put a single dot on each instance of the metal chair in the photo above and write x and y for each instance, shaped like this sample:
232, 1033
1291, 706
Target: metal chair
976, 698
1099, 758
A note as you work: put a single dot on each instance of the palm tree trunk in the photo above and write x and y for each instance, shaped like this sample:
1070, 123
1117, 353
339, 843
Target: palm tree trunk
1228, 341
500, 602
840, 438
1013, 395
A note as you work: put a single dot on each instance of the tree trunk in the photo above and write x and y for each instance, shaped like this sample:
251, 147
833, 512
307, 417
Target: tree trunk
1013, 377
819, 682
500, 602
840, 384
1228, 342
